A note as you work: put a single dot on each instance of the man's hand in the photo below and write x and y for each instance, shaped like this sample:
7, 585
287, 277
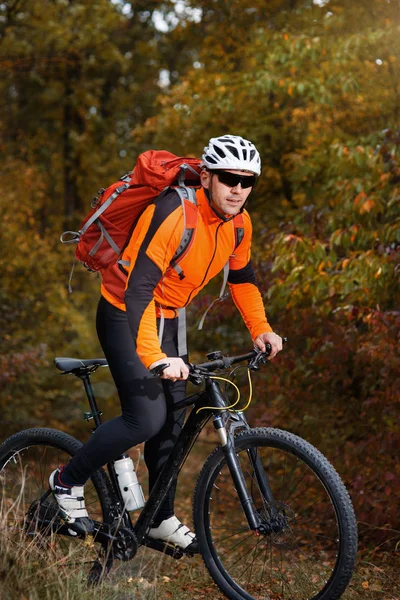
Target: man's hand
269, 338
176, 369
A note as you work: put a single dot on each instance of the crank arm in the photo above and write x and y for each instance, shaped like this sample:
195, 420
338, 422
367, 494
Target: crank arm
101, 533
168, 549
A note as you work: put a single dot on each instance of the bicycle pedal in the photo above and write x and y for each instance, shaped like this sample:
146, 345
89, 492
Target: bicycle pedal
187, 553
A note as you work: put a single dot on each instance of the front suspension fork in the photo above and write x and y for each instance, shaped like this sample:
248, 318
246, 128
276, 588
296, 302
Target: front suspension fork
228, 448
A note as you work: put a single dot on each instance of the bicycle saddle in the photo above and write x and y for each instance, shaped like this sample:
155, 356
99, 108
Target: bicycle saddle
69, 365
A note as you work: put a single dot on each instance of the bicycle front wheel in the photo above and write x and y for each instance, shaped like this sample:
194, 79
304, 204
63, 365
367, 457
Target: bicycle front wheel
309, 544
29, 522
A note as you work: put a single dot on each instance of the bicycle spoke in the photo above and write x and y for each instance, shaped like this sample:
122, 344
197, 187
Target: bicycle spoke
24, 480
227, 537
234, 497
297, 555
250, 570
238, 544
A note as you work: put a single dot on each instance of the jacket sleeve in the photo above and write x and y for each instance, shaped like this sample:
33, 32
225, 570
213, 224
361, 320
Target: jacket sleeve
150, 249
243, 286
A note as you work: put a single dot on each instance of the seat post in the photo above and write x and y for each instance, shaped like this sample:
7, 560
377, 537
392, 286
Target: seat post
95, 413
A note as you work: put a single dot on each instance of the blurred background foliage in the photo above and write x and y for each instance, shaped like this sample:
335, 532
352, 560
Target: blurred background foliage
85, 86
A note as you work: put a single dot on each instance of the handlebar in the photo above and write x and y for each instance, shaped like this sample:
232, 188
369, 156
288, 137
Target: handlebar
199, 372
227, 361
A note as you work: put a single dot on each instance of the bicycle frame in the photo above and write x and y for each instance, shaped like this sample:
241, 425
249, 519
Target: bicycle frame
301, 540
212, 396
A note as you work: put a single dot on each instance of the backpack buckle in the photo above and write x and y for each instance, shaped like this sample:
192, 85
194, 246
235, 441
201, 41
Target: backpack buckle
97, 198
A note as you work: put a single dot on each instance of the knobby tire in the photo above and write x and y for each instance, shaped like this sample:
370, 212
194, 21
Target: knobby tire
26, 460
311, 552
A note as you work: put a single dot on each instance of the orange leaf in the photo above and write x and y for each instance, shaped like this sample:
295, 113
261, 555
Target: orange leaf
367, 206
359, 198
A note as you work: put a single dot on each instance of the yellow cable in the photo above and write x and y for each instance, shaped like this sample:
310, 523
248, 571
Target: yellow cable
238, 397
250, 393
222, 407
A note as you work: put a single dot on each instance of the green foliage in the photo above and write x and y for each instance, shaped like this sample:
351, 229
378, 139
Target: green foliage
38, 318
77, 77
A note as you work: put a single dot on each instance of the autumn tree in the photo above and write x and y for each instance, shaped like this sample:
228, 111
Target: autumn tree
76, 77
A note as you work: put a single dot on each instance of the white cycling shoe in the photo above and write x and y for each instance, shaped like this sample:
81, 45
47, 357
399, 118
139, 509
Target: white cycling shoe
174, 532
71, 502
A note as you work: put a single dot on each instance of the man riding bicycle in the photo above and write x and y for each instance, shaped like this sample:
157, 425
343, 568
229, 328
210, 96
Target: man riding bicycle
139, 327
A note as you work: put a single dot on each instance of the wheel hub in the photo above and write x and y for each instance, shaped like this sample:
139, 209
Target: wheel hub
276, 523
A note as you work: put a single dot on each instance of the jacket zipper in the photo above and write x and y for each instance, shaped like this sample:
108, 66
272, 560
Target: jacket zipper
208, 268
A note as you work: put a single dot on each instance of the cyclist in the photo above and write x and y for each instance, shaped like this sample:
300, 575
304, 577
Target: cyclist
129, 324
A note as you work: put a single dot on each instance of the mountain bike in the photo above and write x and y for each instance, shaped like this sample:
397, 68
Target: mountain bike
272, 517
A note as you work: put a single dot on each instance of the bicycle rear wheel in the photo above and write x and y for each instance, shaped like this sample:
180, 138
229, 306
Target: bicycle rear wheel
309, 548
28, 528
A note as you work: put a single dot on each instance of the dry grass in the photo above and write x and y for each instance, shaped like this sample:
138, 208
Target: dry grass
40, 568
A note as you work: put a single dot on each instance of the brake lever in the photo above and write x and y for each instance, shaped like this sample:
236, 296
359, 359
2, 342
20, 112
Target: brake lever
261, 358
197, 375
159, 369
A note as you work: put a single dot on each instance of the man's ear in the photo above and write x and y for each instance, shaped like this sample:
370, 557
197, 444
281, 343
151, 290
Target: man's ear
205, 177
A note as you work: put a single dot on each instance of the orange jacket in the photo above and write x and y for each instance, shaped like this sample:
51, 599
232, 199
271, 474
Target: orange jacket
152, 282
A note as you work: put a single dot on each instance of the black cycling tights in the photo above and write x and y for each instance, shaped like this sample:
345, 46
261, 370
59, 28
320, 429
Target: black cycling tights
144, 400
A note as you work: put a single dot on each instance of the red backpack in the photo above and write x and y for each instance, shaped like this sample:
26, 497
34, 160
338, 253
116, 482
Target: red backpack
107, 228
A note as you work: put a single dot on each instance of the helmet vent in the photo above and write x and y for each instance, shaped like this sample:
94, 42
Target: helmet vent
220, 152
233, 150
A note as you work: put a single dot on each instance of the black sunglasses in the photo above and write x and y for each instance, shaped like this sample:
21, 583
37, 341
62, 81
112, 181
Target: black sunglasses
232, 180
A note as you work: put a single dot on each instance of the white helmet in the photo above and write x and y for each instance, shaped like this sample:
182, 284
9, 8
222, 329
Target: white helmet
231, 152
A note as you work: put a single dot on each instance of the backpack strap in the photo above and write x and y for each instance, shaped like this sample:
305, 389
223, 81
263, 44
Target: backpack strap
104, 207
182, 173
190, 217
127, 177
182, 342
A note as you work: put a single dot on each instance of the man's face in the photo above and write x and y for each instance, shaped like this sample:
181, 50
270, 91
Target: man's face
226, 199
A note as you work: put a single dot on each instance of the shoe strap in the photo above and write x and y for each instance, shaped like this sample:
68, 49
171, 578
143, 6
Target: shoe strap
188, 532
